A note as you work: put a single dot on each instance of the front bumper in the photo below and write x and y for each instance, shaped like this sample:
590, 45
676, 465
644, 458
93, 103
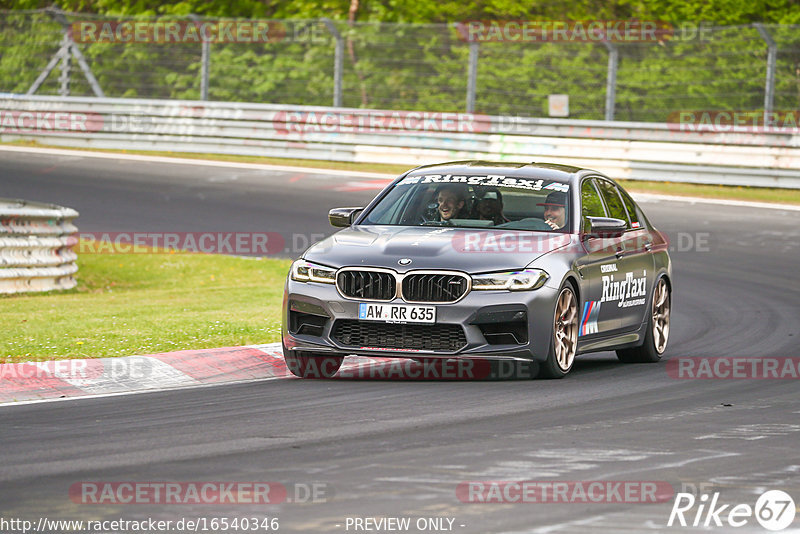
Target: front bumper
480, 314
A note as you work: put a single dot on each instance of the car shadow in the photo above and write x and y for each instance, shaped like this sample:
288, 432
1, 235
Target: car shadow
357, 368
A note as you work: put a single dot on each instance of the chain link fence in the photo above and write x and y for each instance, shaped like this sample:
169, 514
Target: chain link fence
402, 66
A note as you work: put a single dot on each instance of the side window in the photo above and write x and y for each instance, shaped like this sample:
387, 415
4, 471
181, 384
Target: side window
591, 205
630, 207
614, 203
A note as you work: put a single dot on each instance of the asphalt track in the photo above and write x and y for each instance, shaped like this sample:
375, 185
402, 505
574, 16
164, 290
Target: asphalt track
383, 448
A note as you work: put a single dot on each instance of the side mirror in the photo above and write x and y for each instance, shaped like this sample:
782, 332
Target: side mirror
606, 227
343, 217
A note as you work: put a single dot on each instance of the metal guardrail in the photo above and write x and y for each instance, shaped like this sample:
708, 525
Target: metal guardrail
35, 246
626, 150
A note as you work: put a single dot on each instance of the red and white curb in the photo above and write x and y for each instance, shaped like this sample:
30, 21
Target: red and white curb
49, 380
22, 383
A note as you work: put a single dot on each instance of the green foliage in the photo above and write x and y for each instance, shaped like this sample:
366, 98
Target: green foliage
423, 66
721, 12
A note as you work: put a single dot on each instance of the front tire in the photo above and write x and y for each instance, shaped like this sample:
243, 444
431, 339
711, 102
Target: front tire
564, 339
307, 365
655, 340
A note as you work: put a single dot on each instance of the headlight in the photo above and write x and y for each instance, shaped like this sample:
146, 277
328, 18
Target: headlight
513, 281
303, 271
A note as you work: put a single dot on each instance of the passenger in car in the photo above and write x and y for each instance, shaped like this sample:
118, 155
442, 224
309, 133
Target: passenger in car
555, 212
451, 199
489, 205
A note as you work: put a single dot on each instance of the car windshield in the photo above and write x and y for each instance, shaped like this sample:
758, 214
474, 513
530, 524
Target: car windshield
475, 201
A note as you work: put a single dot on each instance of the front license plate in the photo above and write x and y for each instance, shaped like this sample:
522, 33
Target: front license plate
396, 313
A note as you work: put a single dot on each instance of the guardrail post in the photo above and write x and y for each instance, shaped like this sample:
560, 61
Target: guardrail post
611, 80
772, 53
338, 60
68, 48
64, 78
64, 50
472, 76
205, 60
206, 52
86, 71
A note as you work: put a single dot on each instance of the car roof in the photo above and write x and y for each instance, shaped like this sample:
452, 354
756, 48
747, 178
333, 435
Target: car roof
545, 171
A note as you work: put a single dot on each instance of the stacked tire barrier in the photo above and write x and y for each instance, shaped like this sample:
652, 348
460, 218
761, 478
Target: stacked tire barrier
35, 246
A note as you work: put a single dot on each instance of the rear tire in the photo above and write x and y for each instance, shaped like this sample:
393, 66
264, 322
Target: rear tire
308, 365
655, 340
564, 337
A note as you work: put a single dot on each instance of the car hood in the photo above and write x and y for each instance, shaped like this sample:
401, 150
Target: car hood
428, 247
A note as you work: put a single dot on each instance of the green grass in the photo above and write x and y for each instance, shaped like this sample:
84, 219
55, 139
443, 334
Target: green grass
752, 194
147, 303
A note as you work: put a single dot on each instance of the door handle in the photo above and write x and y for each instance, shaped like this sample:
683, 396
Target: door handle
619, 253
648, 246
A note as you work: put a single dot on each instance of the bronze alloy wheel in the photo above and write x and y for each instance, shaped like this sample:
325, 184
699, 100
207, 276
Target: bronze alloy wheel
657, 332
661, 316
565, 329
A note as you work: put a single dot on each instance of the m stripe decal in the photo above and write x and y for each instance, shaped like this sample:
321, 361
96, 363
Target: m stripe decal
591, 312
587, 306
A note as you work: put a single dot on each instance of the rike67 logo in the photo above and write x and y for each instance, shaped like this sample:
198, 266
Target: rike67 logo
774, 510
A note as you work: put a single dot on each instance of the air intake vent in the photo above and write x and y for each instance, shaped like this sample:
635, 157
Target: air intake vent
434, 338
434, 287
371, 285
306, 323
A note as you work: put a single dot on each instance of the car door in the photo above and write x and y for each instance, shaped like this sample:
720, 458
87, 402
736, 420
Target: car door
626, 289
600, 257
